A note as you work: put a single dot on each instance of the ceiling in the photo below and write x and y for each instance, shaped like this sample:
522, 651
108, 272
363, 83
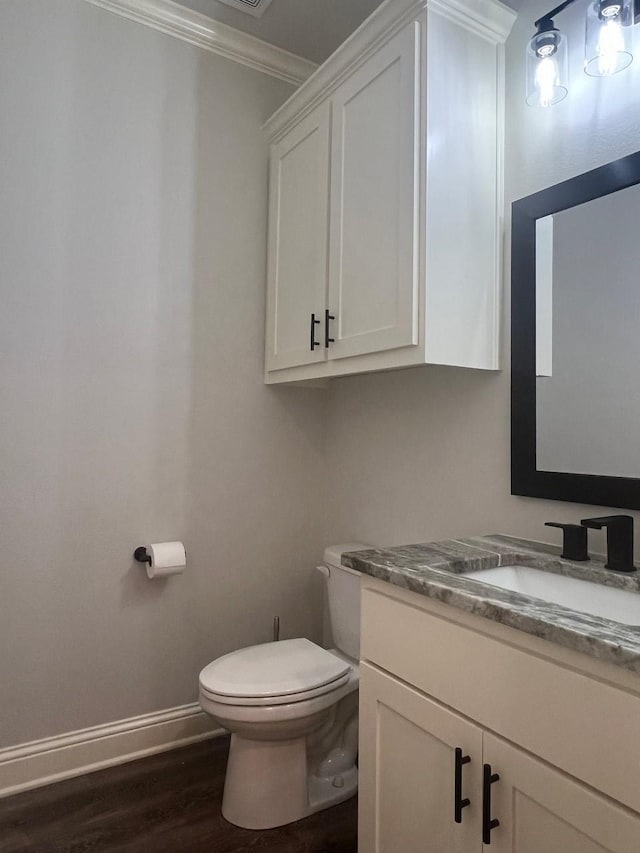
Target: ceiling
310, 28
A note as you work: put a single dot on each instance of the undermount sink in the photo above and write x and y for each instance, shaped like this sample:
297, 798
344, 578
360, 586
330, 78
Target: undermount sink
607, 602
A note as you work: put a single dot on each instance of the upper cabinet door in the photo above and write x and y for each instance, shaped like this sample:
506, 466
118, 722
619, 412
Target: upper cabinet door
541, 809
298, 233
374, 269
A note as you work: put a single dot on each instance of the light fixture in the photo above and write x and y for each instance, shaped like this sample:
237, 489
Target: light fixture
546, 66
607, 43
608, 37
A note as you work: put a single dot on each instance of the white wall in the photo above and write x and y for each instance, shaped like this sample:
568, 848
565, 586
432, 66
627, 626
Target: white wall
133, 181
424, 454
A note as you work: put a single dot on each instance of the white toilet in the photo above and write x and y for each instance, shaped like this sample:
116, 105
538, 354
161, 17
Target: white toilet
292, 709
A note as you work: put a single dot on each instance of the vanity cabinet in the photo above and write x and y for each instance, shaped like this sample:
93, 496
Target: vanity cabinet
384, 214
438, 686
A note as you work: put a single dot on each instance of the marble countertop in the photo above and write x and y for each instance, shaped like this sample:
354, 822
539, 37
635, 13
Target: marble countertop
436, 570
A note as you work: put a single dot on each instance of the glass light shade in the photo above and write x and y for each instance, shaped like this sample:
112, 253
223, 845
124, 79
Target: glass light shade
546, 68
608, 37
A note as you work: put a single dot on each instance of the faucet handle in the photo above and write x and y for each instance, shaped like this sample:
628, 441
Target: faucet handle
574, 541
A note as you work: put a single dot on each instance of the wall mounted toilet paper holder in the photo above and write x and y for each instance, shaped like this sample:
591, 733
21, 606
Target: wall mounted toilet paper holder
141, 555
162, 558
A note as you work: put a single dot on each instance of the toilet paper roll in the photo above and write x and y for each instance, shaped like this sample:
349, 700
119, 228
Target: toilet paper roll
167, 558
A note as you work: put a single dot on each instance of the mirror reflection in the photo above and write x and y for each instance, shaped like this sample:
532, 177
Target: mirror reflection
587, 337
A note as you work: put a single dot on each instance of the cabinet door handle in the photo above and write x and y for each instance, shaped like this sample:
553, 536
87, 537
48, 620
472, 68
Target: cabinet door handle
314, 323
327, 320
488, 823
459, 802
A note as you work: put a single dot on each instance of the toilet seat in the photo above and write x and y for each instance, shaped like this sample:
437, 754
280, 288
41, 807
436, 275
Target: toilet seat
263, 701
274, 674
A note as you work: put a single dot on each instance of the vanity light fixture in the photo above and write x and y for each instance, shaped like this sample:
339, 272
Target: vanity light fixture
608, 37
546, 66
607, 43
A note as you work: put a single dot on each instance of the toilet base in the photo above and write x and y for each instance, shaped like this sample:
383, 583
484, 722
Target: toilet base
267, 784
326, 792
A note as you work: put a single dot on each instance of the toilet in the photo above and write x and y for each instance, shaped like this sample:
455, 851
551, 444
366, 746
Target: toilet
292, 710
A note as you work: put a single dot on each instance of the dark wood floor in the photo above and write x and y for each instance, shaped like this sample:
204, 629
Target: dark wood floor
168, 803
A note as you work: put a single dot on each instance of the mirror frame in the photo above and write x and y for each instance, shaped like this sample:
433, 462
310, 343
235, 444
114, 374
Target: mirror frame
526, 479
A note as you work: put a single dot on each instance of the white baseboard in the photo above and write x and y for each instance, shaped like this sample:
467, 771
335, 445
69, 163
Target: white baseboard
41, 762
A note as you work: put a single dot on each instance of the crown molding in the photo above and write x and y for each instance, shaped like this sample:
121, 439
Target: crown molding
211, 35
489, 18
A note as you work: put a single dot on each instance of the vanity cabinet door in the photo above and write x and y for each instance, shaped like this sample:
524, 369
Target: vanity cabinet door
373, 271
542, 810
298, 234
407, 772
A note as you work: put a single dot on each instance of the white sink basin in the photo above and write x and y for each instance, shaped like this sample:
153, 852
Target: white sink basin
608, 602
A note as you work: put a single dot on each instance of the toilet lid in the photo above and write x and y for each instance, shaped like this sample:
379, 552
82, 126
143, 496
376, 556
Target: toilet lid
285, 668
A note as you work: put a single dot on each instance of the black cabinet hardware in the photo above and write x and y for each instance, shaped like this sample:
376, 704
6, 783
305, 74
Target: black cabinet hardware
327, 320
619, 540
314, 323
574, 540
488, 823
458, 802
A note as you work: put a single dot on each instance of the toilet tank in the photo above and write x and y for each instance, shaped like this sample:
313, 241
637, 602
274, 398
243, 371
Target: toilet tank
343, 593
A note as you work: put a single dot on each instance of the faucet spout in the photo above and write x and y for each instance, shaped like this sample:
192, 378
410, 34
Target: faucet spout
619, 540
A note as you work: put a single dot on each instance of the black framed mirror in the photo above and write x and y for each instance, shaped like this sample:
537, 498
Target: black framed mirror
575, 339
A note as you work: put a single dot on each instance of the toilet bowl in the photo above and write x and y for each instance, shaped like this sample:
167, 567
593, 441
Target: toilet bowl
292, 710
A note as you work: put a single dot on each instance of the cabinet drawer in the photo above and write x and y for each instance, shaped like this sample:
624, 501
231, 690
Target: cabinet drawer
586, 727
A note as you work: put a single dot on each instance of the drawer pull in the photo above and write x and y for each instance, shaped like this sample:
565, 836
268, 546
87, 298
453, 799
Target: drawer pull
459, 802
488, 823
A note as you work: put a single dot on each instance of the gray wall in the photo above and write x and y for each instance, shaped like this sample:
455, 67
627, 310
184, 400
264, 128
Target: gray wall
132, 409
424, 454
133, 178
588, 411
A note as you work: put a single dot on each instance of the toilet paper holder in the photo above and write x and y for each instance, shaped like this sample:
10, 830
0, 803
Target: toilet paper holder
162, 558
141, 555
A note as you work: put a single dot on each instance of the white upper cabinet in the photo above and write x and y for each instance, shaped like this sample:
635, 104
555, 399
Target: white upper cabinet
385, 198
373, 283
463, 177
298, 222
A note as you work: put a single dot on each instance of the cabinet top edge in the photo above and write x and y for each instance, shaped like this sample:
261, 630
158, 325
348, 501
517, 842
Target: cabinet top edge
489, 18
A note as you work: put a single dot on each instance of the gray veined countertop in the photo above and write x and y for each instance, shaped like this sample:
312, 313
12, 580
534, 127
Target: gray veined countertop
436, 570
